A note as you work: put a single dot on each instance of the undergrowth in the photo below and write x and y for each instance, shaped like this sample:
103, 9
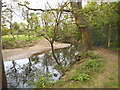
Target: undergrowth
84, 73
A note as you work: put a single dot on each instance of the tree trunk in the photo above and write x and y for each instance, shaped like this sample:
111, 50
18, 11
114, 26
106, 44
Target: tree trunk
3, 81
53, 53
109, 35
85, 39
81, 24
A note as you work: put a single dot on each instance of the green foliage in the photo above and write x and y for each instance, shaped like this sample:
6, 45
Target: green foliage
92, 64
82, 74
43, 82
80, 77
99, 17
40, 83
26, 3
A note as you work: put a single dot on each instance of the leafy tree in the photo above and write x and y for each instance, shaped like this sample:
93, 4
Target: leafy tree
81, 24
103, 18
69, 32
80, 21
51, 22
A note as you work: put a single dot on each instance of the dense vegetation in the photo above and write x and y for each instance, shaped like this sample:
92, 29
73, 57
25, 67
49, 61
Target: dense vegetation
102, 18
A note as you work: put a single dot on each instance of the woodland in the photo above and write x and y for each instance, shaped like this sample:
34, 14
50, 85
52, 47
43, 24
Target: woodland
94, 29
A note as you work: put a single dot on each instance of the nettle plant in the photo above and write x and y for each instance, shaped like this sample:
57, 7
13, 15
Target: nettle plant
91, 63
80, 77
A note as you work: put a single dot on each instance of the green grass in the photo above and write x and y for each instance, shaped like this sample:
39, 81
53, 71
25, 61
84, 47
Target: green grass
18, 41
19, 37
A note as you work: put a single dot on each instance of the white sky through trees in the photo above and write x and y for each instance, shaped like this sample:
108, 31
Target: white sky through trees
41, 4
34, 4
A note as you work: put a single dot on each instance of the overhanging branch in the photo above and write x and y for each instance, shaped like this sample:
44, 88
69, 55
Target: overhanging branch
42, 9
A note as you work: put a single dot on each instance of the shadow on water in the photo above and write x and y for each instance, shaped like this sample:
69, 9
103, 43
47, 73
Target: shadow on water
21, 72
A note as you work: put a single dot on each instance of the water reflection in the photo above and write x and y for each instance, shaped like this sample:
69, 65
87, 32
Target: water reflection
20, 72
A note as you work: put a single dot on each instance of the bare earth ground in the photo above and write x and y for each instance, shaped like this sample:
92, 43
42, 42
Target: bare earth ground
19, 53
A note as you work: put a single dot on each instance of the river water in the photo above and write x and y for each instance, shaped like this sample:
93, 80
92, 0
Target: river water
23, 71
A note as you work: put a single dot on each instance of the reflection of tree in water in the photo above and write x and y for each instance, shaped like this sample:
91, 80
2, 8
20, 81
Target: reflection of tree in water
28, 69
35, 59
45, 63
66, 56
13, 75
19, 75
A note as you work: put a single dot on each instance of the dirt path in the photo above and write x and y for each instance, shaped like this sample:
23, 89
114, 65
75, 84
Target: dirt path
41, 45
110, 73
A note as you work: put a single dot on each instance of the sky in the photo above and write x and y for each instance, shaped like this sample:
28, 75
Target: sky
35, 4
41, 4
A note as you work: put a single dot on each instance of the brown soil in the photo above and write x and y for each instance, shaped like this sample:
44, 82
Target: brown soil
40, 46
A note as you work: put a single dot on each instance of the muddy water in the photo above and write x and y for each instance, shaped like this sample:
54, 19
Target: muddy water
20, 73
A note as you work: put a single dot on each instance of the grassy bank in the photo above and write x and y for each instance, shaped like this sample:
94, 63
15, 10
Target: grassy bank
82, 73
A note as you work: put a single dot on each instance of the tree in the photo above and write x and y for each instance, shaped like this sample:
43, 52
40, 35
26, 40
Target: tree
7, 18
32, 19
81, 24
51, 21
2, 71
79, 18
103, 20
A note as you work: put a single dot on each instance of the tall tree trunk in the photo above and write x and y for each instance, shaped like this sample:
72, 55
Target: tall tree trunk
81, 24
3, 81
109, 35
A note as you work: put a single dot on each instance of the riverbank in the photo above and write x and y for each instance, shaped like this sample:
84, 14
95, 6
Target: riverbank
106, 75
40, 46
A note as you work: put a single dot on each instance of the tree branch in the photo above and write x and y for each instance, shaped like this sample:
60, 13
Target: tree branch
42, 9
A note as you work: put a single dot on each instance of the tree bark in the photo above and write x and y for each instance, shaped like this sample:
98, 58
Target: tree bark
81, 24
3, 81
